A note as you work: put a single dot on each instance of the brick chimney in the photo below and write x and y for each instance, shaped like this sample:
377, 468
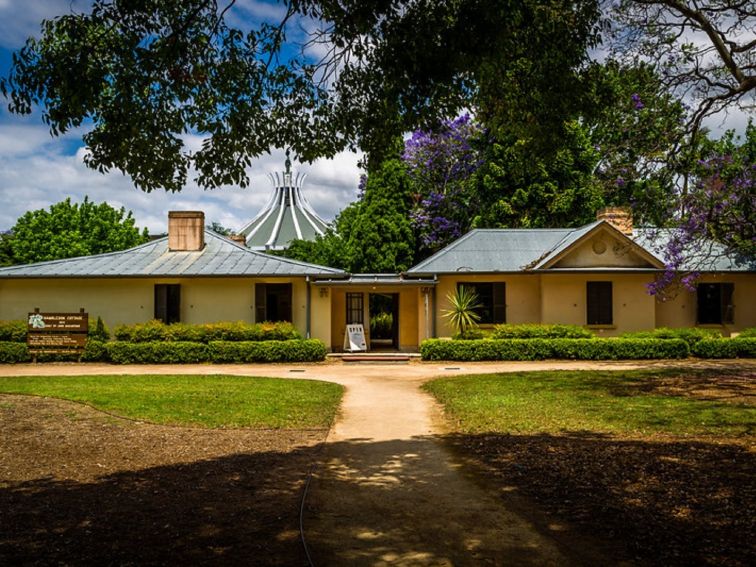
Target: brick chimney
240, 239
620, 218
186, 231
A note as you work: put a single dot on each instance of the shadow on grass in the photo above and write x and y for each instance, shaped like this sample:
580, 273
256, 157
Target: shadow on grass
665, 503
240, 509
404, 502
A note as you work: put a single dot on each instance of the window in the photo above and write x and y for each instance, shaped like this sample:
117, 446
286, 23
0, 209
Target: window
272, 302
492, 299
355, 309
599, 303
715, 305
168, 303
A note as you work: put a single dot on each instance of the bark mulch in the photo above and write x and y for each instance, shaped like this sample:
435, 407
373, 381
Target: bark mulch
81, 487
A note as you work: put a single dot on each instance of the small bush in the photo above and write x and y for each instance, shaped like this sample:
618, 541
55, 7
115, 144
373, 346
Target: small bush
474, 334
14, 351
690, 335
158, 352
726, 348
205, 333
749, 333
13, 331
309, 350
538, 331
95, 351
98, 331
540, 349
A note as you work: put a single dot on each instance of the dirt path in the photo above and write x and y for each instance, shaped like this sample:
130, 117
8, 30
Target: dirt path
388, 492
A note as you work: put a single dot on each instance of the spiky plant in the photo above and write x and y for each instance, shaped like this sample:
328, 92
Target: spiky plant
463, 314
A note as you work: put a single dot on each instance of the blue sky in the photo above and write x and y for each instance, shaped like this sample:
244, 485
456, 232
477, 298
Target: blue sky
37, 170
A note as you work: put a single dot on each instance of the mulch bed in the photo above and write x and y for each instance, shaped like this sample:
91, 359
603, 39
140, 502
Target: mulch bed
661, 500
81, 487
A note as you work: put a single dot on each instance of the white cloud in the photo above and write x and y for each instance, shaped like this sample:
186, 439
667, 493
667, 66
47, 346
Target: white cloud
38, 172
20, 20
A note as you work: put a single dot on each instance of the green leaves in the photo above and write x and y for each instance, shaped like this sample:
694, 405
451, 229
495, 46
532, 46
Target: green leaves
462, 313
69, 230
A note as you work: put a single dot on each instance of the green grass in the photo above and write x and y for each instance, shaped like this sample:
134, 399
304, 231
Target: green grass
205, 401
600, 402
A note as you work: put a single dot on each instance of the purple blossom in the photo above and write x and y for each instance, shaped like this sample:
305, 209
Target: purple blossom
637, 102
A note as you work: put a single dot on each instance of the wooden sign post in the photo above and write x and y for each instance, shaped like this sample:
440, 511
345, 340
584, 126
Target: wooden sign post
57, 333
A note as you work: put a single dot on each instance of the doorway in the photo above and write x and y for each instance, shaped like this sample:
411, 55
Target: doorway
384, 321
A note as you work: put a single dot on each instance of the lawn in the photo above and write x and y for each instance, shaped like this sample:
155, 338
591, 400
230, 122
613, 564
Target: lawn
204, 401
655, 467
633, 402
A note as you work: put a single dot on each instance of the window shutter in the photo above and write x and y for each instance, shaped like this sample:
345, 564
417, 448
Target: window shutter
173, 303
728, 309
500, 303
261, 301
161, 303
284, 307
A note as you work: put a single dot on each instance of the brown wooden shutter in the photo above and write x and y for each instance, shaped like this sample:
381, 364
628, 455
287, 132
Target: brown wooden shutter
261, 302
599, 303
728, 308
284, 303
499, 303
161, 303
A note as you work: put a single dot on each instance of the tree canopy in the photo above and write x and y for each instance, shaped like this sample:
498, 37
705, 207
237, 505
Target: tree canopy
68, 230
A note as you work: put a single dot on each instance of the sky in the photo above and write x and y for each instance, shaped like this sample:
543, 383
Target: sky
37, 170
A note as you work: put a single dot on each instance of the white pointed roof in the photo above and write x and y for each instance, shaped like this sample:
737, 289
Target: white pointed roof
287, 216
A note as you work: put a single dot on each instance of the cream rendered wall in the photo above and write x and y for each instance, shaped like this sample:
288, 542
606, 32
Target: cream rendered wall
563, 300
523, 297
604, 249
320, 323
681, 311
408, 314
117, 301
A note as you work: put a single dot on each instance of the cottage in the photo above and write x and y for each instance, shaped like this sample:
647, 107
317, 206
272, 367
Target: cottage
595, 275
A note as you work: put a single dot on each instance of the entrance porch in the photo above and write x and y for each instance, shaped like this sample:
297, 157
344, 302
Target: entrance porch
396, 313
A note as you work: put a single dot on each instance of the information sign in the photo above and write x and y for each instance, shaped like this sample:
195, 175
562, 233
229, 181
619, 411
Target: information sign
354, 339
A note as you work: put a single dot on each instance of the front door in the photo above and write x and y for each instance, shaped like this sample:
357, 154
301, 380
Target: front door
384, 321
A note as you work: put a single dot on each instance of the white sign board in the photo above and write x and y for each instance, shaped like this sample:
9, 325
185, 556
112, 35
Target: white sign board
354, 339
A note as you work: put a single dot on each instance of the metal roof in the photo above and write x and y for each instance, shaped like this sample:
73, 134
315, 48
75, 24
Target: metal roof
378, 279
220, 257
709, 256
518, 250
286, 217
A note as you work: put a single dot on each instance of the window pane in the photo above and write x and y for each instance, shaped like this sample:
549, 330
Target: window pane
491, 298
355, 309
599, 303
709, 303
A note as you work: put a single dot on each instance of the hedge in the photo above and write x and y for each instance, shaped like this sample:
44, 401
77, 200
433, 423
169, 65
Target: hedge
540, 349
205, 333
182, 352
13, 351
690, 335
306, 350
13, 331
541, 331
726, 348
749, 333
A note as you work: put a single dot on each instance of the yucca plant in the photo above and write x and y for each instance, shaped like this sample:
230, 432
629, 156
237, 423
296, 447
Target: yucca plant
463, 314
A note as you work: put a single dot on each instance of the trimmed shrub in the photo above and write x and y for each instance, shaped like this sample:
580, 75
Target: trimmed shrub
474, 334
98, 331
305, 350
690, 335
539, 331
95, 351
158, 352
540, 349
205, 333
749, 333
181, 352
726, 348
14, 351
13, 331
